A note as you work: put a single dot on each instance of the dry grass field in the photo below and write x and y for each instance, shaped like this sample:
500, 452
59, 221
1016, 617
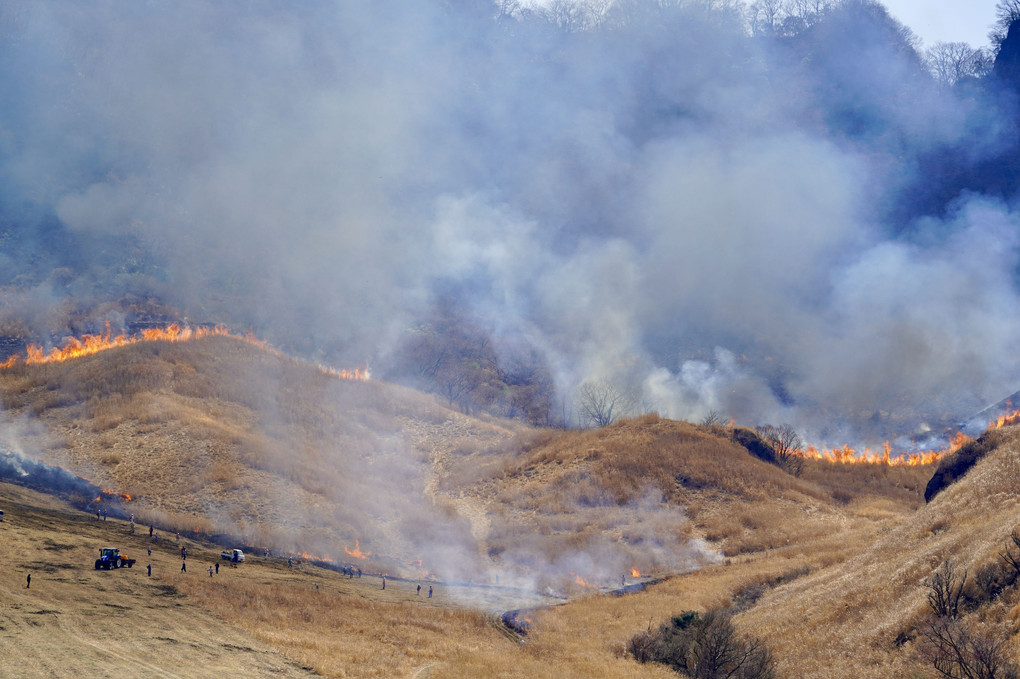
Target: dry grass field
219, 436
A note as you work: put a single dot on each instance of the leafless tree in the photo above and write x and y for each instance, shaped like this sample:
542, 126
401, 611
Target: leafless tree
721, 653
573, 16
712, 418
949, 62
766, 16
945, 587
600, 403
956, 651
1006, 12
1008, 555
785, 443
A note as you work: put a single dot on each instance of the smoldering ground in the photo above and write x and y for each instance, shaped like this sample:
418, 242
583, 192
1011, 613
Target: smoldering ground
713, 220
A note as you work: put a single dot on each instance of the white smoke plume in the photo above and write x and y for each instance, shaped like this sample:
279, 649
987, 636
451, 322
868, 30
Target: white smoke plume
658, 199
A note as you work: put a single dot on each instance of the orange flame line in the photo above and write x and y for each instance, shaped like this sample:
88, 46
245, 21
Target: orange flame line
848, 455
93, 344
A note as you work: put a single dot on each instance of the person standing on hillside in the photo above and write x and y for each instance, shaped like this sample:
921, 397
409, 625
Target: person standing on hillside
430, 591
210, 571
217, 567
184, 566
28, 581
148, 570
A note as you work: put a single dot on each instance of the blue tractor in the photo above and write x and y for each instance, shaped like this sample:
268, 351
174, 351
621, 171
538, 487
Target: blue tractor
110, 557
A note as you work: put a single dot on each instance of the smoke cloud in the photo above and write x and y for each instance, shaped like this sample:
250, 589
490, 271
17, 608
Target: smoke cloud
791, 228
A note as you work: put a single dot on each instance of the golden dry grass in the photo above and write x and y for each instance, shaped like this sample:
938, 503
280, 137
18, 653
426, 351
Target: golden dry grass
75, 621
217, 435
220, 435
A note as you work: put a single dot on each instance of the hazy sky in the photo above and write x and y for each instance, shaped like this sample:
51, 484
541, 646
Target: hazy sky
946, 20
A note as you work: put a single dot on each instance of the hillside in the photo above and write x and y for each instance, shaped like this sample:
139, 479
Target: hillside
873, 606
219, 435
224, 436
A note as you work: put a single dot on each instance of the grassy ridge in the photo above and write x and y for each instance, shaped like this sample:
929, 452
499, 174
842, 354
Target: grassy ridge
217, 433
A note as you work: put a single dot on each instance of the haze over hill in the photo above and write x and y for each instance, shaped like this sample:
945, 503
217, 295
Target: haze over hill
780, 218
220, 435
828, 567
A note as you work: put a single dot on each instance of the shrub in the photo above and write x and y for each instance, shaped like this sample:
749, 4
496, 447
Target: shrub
704, 647
955, 647
945, 587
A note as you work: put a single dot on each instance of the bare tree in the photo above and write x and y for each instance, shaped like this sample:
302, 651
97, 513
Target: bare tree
785, 443
721, 653
945, 587
600, 403
956, 651
766, 16
949, 62
1009, 556
1006, 12
712, 418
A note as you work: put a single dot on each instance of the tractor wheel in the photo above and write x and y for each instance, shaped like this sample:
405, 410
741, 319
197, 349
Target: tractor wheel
118, 563
106, 565
99, 564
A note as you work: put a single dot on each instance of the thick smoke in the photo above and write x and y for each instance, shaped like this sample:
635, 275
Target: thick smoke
770, 227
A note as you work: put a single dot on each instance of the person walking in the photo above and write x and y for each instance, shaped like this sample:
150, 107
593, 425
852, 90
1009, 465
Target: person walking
148, 570
28, 581
149, 550
184, 566
418, 593
210, 571
430, 591
217, 567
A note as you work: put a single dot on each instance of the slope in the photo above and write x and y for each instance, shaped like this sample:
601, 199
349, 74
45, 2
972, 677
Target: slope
862, 617
219, 435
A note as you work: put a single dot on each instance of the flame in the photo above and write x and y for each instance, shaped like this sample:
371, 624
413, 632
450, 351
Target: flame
112, 495
635, 573
849, 455
356, 552
582, 582
355, 375
1005, 420
93, 344
312, 557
